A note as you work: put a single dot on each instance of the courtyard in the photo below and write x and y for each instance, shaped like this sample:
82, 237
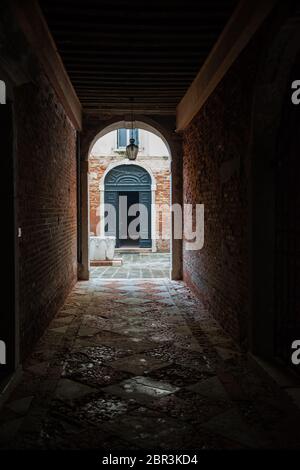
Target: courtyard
136, 266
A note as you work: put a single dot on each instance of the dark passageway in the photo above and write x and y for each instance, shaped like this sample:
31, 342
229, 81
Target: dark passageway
191, 340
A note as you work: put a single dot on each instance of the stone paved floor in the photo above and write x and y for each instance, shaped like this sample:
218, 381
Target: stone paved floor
136, 266
141, 365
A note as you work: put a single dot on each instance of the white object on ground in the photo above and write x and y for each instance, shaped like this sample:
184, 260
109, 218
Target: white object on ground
102, 248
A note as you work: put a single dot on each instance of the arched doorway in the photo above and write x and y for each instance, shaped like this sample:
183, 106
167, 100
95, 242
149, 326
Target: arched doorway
94, 129
125, 186
137, 219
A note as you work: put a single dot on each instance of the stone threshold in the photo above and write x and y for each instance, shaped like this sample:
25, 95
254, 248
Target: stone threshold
133, 250
107, 262
133, 279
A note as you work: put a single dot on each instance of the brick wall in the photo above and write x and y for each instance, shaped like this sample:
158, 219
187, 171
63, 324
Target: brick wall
160, 169
46, 188
215, 173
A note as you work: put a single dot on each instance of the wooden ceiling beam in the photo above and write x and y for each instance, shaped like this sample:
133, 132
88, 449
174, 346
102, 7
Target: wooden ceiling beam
82, 37
118, 110
136, 69
111, 55
133, 77
93, 50
113, 92
158, 27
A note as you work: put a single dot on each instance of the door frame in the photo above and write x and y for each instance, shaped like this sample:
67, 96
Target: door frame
110, 167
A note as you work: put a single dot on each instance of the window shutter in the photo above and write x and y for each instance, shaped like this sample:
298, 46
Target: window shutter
136, 136
122, 141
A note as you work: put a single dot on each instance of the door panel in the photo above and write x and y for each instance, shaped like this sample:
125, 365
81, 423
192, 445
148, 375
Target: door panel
145, 225
111, 200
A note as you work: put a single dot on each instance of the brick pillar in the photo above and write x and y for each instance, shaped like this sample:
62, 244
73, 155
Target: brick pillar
84, 266
177, 198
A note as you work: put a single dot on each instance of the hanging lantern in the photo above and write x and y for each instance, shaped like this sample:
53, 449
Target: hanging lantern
132, 149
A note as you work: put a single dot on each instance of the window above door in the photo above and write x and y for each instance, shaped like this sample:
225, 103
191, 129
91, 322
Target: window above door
123, 136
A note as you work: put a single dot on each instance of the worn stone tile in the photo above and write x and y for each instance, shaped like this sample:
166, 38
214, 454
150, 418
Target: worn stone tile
59, 433
141, 364
178, 376
87, 331
231, 425
70, 390
117, 340
152, 433
20, 406
188, 406
60, 329
138, 364
64, 320
227, 353
91, 410
132, 301
211, 388
37, 368
183, 357
101, 354
95, 375
141, 389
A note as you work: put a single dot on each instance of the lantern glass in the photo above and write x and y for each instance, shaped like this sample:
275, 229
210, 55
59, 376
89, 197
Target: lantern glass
132, 150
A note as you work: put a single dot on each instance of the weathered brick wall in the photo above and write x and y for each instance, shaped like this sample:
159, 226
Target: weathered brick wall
97, 167
216, 174
46, 154
161, 173
163, 219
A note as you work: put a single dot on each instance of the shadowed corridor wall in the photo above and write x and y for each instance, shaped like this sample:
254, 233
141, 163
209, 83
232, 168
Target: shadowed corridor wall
216, 174
46, 156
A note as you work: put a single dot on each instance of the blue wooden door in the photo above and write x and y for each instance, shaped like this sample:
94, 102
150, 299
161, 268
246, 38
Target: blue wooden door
126, 178
111, 200
145, 225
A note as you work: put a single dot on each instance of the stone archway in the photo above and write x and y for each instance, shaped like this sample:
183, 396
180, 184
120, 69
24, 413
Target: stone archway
96, 126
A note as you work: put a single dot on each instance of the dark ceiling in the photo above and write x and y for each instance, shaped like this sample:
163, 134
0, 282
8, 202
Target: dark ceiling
148, 50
